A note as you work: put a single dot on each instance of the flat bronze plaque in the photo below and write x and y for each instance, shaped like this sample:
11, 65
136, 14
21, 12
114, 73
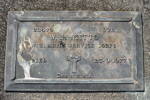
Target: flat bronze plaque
74, 51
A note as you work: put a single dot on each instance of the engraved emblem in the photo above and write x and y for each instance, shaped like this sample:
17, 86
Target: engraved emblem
74, 60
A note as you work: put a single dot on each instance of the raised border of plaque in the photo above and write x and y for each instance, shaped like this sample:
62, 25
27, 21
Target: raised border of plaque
15, 17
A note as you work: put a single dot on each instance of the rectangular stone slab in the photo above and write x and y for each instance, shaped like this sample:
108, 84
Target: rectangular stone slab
74, 51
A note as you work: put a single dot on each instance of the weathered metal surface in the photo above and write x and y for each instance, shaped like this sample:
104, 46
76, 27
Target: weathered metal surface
80, 50
75, 5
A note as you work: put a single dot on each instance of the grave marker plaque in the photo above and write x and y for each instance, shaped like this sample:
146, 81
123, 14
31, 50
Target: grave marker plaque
74, 51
